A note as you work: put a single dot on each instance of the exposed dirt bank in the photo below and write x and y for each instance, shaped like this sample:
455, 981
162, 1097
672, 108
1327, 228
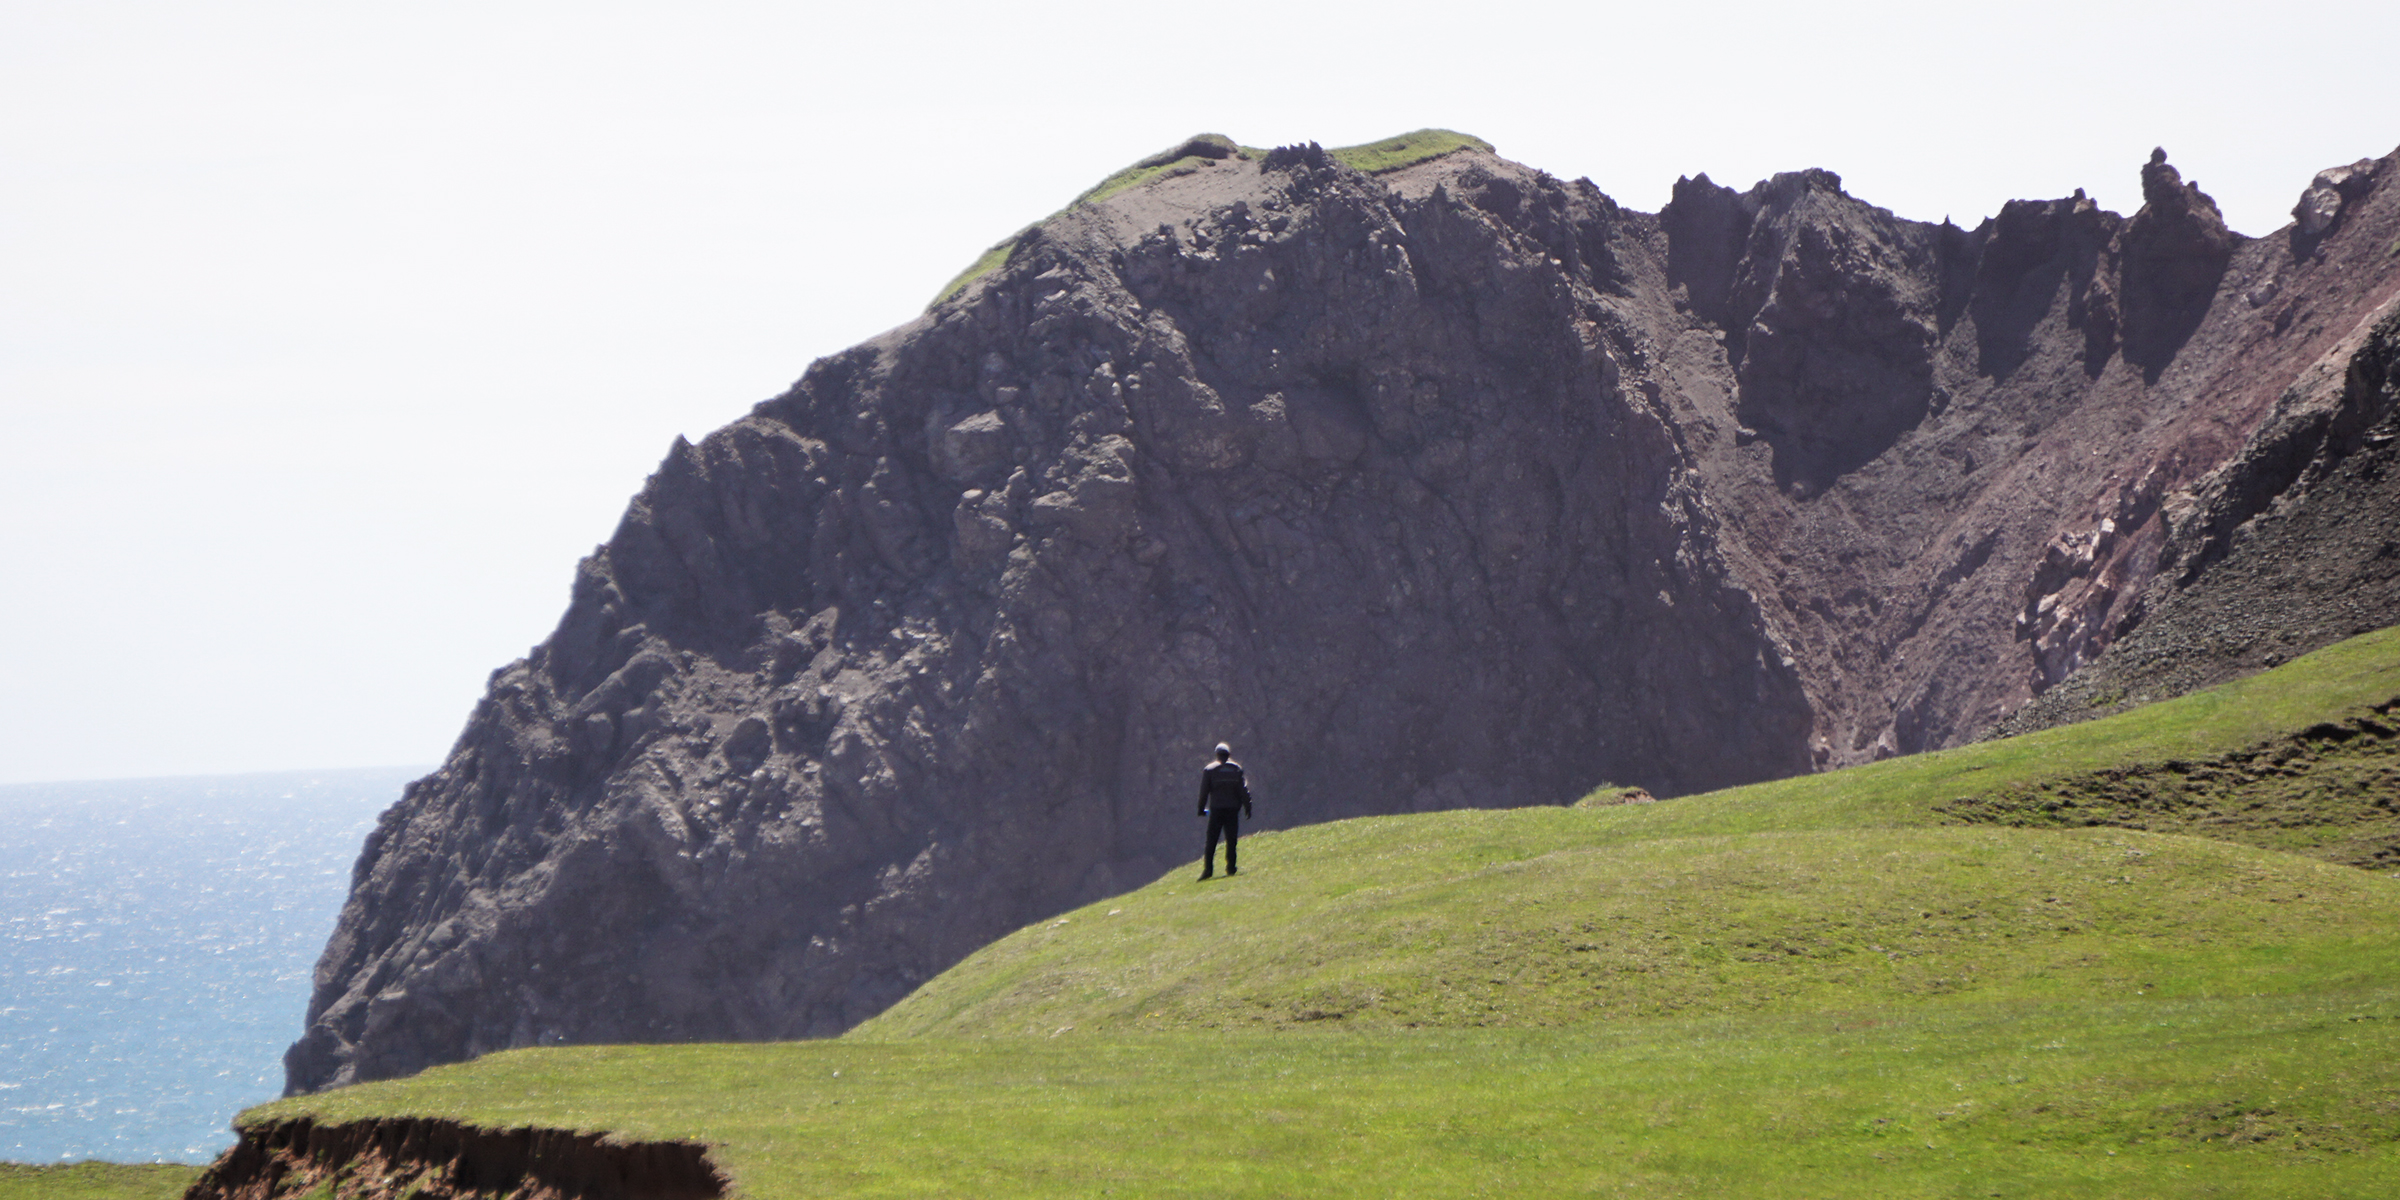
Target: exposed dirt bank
428, 1159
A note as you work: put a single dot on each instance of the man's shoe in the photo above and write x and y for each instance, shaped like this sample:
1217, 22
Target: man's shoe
1205, 876
1233, 870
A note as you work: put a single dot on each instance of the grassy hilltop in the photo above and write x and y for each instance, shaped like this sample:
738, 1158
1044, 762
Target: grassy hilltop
1906, 878
1196, 152
2002, 970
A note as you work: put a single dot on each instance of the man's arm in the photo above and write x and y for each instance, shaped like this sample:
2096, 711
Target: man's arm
1204, 791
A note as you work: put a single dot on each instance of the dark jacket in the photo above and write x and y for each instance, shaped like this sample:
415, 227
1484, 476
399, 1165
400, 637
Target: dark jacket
1222, 788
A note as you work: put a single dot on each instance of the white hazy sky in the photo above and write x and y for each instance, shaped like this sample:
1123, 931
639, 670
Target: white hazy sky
331, 335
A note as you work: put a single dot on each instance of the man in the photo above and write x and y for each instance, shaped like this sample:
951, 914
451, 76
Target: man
1224, 800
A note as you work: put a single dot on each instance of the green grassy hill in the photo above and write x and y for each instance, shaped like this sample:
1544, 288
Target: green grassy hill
1471, 919
1863, 886
1967, 973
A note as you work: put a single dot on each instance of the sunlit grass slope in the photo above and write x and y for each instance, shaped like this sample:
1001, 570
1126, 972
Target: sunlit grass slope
1810, 988
1474, 919
2290, 1095
2340, 682
1828, 889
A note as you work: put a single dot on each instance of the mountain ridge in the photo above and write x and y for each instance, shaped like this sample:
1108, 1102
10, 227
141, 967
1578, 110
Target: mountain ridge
1453, 486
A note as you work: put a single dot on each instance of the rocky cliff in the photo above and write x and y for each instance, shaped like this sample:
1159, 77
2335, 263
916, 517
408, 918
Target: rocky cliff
1453, 485
2291, 545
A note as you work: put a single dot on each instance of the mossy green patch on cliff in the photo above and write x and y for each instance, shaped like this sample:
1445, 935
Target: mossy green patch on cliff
1186, 156
95, 1181
992, 260
1199, 150
1183, 157
1407, 150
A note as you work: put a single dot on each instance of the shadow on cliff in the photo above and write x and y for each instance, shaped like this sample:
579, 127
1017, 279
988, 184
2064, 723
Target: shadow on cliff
2032, 250
2175, 251
1830, 310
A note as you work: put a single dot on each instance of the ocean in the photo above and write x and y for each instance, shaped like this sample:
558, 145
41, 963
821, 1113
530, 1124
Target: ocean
156, 942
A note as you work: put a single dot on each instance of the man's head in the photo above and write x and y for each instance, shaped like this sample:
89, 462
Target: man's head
1224, 752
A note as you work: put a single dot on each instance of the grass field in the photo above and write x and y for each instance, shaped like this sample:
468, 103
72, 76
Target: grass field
1497, 919
1818, 987
1192, 153
95, 1181
1856, 886
2340, 682
2225, 1096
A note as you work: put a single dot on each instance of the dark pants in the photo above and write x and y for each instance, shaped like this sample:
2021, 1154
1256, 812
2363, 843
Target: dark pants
1227, 821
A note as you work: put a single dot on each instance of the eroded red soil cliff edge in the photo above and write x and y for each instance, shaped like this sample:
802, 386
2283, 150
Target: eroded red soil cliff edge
427, 1158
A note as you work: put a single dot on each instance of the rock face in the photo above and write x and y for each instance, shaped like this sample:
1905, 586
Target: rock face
2175, 252
1457, 485
2292, 545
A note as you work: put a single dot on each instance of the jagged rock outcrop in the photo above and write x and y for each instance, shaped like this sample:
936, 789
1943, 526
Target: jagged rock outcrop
1457, 485
2175, 252
2321, 205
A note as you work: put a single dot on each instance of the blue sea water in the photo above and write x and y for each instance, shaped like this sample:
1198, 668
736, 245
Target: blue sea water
156, 942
